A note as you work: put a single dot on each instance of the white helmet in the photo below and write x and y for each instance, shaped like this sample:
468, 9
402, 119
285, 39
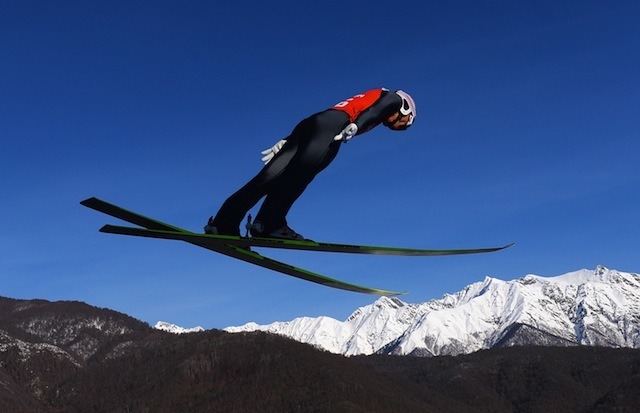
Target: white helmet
408, 106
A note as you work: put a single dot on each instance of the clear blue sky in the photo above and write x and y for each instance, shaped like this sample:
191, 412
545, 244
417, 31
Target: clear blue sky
527, 131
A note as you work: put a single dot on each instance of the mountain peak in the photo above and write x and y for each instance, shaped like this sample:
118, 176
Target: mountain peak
389, 302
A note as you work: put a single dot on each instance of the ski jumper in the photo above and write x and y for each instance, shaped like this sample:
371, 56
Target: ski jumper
309, 149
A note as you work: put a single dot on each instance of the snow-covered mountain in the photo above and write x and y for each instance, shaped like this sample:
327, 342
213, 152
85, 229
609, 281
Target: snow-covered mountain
588, 307
175, 329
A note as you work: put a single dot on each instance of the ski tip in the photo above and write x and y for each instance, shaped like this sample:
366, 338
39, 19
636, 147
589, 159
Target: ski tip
107, 229
391, 293
87, 201
91, 202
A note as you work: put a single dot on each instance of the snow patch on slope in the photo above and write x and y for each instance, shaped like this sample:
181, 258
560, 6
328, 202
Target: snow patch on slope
175, 329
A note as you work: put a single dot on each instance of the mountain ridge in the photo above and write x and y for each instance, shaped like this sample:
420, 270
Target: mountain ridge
586, 307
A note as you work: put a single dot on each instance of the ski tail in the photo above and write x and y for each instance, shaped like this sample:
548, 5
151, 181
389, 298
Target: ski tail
129, 216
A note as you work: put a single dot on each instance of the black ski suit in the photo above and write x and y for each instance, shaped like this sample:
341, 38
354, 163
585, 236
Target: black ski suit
309, 149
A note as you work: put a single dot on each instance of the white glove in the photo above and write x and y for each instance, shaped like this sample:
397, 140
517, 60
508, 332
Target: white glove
347, 133
271, 152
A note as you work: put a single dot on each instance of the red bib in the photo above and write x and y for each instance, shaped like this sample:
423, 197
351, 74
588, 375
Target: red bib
356, 105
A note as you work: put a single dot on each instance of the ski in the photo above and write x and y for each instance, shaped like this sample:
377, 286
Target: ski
226, 249
246, 242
